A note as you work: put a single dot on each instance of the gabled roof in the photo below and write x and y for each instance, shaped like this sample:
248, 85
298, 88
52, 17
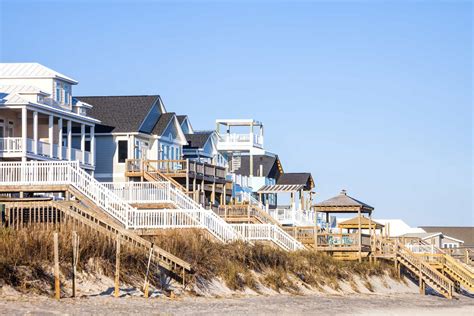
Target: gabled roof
181, 118
365, 223
343, 202
271, 166
31, 70
120, 114
465, 233
198, 139
163, 122
301, 178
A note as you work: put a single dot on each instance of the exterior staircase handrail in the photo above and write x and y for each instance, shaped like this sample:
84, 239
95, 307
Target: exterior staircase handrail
66, 173
429, 272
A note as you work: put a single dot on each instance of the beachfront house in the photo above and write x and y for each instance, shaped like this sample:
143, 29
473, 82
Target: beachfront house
38, 116
133, 128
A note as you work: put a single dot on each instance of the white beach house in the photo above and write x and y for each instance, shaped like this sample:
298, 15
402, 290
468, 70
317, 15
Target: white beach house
38, 117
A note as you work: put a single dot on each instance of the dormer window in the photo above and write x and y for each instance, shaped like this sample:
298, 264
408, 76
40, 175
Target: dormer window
62, 93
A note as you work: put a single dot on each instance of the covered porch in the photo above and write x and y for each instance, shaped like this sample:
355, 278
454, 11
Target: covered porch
31, 133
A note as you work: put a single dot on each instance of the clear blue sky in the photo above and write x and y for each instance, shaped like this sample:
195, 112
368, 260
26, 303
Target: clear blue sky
373, 97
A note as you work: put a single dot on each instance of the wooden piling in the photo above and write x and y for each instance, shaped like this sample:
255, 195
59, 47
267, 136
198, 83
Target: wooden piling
145, 285
75, 260
117, 268
57, 289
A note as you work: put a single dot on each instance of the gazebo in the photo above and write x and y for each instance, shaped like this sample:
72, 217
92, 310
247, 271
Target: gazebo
345, 242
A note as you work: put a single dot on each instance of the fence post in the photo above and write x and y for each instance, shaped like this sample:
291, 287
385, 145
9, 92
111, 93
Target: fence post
145, 285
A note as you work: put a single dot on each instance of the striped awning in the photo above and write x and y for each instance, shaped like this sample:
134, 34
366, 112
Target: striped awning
276, 188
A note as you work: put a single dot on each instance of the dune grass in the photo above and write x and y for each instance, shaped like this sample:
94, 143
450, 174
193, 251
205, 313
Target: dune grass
26, 258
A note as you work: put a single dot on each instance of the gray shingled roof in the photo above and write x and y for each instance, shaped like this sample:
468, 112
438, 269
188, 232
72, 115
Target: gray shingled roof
119, 113
465, 233
162, 123
343, 200
181, 118
198, 139
302, 178
268, 164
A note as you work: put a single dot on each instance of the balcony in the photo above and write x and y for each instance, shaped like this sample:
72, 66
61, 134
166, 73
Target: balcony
239, 141
12, 147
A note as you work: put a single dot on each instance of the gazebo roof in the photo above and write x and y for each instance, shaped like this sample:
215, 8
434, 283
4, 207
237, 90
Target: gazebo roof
277, 188
365, 223
343, 203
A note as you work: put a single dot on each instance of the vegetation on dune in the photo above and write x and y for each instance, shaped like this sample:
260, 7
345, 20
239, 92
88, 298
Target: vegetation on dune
26, 257
242, 265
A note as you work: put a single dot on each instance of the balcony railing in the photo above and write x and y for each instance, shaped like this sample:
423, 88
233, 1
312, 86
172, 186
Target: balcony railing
188, 166
14, 145
244, 139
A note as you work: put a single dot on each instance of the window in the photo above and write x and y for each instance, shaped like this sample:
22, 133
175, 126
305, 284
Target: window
2, 128
122, 151
87, 146
58, 92
67, 94
9, 132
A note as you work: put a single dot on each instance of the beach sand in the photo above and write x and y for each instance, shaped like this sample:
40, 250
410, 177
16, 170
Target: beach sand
354, 304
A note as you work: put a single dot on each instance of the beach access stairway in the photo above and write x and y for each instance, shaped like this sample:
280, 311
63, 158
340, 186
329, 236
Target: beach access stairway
149, 193
416, 265
461, 273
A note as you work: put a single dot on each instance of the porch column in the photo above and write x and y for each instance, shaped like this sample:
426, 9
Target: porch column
35, 132
83, 143
24, 130
92, 145
51, 135
60, 138
69, 140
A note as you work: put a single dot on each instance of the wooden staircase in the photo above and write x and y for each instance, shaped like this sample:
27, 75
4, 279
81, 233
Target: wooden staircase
144, 169
245, 213
85, 212
459, 272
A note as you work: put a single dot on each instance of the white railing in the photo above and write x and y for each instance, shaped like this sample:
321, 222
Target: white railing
69, 173
208, 219
15, 145
43, 148
268, 232
140, 192
417, 248
11, 144
293, 216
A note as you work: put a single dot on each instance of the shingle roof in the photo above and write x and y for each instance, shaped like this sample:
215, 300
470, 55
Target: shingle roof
30, 70
343, 200
269, 164
119, 114
465, 233
198, 139
181, 118
303, 178
162, 123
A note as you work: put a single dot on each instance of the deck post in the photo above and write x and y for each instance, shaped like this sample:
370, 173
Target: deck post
316, 231
145, 285
360, 235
